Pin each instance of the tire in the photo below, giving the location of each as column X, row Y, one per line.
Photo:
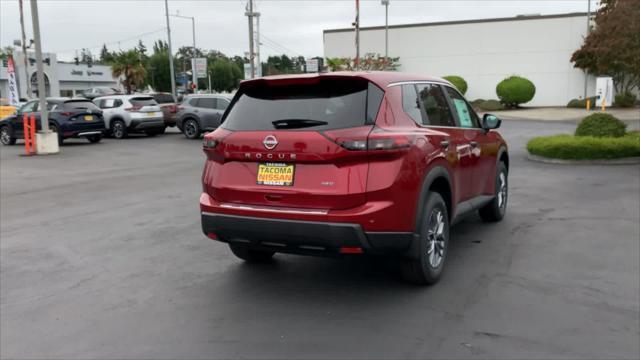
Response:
column 54, row 128
column 497, row 208
column 6, row 138
column 434, row 244
column 250, row 255
column 191, row 129
column 118, row 129
column 162, row 130
column 94, row 138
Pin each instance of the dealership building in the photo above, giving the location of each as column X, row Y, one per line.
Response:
column 61, row 78
column 483, row 52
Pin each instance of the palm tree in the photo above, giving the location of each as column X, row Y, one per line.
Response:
column 128, row 65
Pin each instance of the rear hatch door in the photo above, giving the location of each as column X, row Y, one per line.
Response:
column 282, row 143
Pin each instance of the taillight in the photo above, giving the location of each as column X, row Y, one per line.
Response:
column 173, row 109
column 66, row 113
column 133, row 108
column 366, row 139
column 213, row 139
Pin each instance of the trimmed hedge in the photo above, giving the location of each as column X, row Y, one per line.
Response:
column 458, row 82
column 515, row 90
column 585, row 147
column 601, row 125
column 582, row 103
column 625, row 99
column 488, row 105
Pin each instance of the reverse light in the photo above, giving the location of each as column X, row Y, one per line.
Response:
column 209, row 142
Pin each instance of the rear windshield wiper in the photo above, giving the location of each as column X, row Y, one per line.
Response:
column 297, row 123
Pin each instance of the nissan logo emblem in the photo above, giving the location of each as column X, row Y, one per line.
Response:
column 270, row 142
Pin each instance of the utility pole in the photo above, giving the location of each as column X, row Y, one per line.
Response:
column 24, row 52
column 42, row 95
column 586, row 72
column 171, row 70
column 357, row 25
column 249, row 14
column 386, row 28
column 258, row 62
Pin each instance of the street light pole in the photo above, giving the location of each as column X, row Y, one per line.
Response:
column 171, row 70
column 194, row 80
column 357, row 25
column 586, row 73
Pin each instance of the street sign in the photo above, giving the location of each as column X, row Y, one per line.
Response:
column 201, row 67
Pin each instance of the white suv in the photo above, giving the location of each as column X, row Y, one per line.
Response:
column 124, row 114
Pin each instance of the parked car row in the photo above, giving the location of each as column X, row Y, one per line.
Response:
column 120, row 115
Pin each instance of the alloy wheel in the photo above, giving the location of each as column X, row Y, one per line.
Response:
column 502, row 191
column 435, row 238
column 5, row 137
column 190, row 129
column 117, row 130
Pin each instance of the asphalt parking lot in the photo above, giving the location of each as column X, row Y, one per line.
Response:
column 102, row 256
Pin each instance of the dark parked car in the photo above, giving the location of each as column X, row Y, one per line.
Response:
column 200, row 113
column 94, row 92
column 168, row 105
column 70, row 118
column 351, row 163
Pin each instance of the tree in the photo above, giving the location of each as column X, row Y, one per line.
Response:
column 105, row 55
column 141, row 48
column 225, row 75
column 159, row 46
column 129, row 66
column 613, row 47
column 370, row 62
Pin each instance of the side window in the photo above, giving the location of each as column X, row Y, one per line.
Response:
column 29, row 107
column 466, row 116
column 374, row 99
column 106, row 103
column 222, row 104
column 51, row 106
column 435, row 105
column 117, row 103
column 194, row 102
column 208, row 103
column 411, row 103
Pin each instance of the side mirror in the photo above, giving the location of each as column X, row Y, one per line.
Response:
column 490, row 122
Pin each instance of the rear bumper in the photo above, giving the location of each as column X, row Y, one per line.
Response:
column 138, row 124
column 299, row 236
column 82, row 130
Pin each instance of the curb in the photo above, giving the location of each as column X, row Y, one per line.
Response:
column 622, row 161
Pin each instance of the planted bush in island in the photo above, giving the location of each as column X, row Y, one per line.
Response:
column 601, row 125
column 515, row 90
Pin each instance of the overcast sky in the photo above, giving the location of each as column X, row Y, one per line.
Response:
column 293, row 27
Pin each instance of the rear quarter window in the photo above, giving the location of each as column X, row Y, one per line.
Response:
column 80, row 105
column 332, row 103
column 143, row 101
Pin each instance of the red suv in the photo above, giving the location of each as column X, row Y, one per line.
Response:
column 351, row 163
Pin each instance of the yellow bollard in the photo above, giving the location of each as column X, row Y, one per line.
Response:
column 604, row 104
column 588, row 104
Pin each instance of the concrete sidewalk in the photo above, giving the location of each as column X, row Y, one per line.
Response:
column 564, row 114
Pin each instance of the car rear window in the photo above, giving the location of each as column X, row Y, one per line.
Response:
column 80, row 105
column 163, row 98
column 142, row 101
column 324, row 104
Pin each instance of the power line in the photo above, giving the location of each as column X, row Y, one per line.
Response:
column 289, row 50
column 116, row 42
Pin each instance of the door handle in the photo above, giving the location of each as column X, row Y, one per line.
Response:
column 444, row 144
column 474, row 144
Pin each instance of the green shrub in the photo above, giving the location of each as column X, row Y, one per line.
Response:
column 458, row 82
column 625, row 99
column 585, row 147
column 490, row 105
column 476, row 101
column 515, row 90
column 581, row 103
column 601, row 125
